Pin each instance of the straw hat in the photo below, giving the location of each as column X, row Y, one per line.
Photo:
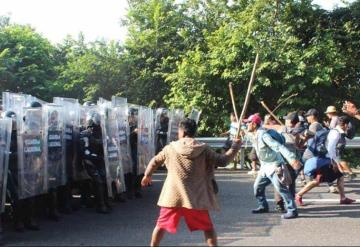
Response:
column 331, row 109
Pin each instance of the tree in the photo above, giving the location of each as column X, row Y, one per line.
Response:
column 26, row 62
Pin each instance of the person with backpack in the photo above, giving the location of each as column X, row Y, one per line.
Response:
column 326, row 161
column 270, row 149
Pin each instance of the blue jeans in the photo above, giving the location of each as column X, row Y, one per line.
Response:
column 259, row 191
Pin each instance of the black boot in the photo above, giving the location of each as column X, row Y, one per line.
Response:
column 129, row 185
column 28, row 208
column 52, row 205
column 100, row 199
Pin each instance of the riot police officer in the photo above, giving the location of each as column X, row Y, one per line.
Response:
column 93, row 158
column 136, row 178
column 22, row 209
column 161, row 131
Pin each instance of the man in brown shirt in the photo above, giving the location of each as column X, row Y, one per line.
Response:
column 188, row 190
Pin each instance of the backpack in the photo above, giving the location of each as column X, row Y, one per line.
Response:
column 317, row 144
column 276, row 136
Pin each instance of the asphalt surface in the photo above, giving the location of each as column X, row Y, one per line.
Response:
column 322, row 222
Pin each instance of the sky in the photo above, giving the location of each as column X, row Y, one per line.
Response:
column 55, row 19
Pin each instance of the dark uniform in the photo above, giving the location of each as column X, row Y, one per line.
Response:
column 23, row 210
column 93, row 158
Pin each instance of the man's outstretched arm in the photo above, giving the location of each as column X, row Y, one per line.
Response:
column 154, row 164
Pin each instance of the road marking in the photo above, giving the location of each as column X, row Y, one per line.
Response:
column 316, row 200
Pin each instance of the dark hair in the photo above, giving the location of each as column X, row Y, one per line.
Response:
column 189, row 127
column 344, row 120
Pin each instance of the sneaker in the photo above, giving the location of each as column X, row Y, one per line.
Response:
column 347, row 201
column 333, row 189
column 299, row 201
column 252, row 173
column 289, row 215
column 260, row 210
column 280, row 208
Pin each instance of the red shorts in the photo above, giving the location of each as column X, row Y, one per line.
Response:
column 195, row 219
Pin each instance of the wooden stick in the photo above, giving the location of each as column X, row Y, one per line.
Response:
column 233, row 101
column 271, row 113
column 247, row 98
column 282, row 102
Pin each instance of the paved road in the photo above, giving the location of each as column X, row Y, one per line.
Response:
column 322, row 222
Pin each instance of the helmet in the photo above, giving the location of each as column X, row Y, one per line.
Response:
column 88, row 103
column 35, row 104
column 132, row 111
column 10, row 114
column 93, row 119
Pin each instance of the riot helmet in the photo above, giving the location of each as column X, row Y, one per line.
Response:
column 88, row 103
column 35, row 104
column 93, row 119
column 10, row 114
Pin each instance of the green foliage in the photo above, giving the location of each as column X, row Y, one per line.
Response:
column 26, row 61
column 184, row 54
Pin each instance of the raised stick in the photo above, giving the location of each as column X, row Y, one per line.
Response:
column 271, row 113
column 233, row 101
column 247, row 98
column 282, row 102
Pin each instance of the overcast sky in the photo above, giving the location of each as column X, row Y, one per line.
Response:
column 54, row 19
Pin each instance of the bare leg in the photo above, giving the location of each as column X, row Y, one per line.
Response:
column 157, row 236
column 253, row 165
column 210, row 237
column 309, row 186
column 340, row 186
column 344, row 167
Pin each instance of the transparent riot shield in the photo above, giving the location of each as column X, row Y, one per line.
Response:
column 118, row 101
column 124, row 137
column 54, row 145
column 175, row 117
column 146, row 149
column 15, row 101
column 114, row 172
column 102, row 101
column 195, row 115
column 5, row 138
column 71, row 113
column 31, row 167
column 161, row 129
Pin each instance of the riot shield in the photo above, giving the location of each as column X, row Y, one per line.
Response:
column 118, row 101
column 31, row 168
column 175, row 117
column 146, row 149
column 124, row 137
column 15, row 101
column 54, row 145
column 161, row 129
column 112, row 156
column 5, row 138
column 195, row 115
column 71, row 112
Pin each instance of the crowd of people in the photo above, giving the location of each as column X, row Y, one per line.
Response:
column 301, row 147
column 105, row 151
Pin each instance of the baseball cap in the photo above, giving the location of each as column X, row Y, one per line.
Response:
column 292, row 116
column 255, row 118
column 312, row 112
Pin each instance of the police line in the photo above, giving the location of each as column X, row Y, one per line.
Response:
column 218, row 142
